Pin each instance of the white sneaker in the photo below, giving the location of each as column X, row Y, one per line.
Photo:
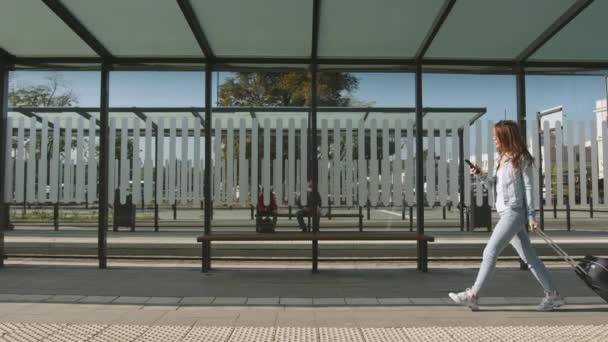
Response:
column 550, row 303
column 466, row 299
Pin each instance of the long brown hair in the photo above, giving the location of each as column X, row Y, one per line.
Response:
column 512, row 142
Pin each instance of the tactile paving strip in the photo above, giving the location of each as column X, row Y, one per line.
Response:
column 340, row 335
column 76, row 333
column 27, row 332
column 258, row 334
column 208, row 334
column 165, row 333
column 120, row 333
column 296, row 334
column 383, row 335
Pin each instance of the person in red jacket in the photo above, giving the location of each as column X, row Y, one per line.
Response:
column 267, row 213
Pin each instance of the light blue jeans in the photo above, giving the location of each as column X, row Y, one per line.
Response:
column 511, row 229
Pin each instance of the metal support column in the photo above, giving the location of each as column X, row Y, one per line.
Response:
column 4, row 213
column 520, row 84
column 313, row 161
column 421, row 248
column 461, row 176
column 206, row 257
column 104, row 151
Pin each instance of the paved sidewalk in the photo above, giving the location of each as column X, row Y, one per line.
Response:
column 141, row 301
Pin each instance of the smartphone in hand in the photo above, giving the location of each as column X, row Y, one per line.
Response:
column 472, row 166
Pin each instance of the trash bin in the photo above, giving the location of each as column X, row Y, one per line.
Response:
column 124, row 214
column 480, row 216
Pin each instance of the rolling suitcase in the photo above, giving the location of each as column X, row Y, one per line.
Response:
column 592, row 270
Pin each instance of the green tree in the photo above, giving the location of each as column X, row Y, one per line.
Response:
column 284, row 89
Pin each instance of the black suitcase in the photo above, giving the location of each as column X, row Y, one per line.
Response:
column 592, row 270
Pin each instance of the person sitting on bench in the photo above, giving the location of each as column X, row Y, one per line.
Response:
column 309, row 210
column 267, row 213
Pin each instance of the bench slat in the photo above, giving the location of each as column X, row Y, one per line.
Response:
column 298, row 236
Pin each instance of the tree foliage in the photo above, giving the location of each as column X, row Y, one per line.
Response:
column 284, row 89
column 55, row 92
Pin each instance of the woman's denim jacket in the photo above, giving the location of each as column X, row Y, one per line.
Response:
column 517, row 187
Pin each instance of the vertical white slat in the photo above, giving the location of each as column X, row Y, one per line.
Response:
column 266, row 160
column 80, row 163
column 362, row 165
column 397, row 166
column 454, row 163
column 112, row 161
column 196, row 172
column 441, row 166
column 466, row 136
column 594, row 162
column 172, row 171
column 583, row 162
column 92, row 163
column 160, row 160
column 166, row 180
column 136, row 188
column 230, row 188
column 148, row 171
column 291, row 160
column 42, row 177
column 183, row 190
column 547, row 164
column 386, row 182
column 431, row 185
column 571, row 159
column 217, row 162
column 605, row 158
column 337, row 195
column 243, row 170
column 54, row 168
column 478, row 161
column 278, row 171
column 304, row 162
column 254, row 162
column 348, row 177
column 532, row 122
column 124, row 161
column 409, row 163
column 373, row 163
column 559, row 168
column 19, row 162
column 8, row 177
column 491, row 149
column 323, row 174
column 31, row 163
column 67, row 162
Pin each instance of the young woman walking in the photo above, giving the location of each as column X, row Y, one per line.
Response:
column 514, row 201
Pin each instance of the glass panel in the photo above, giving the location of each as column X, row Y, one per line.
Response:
column 572, row 114
column 584, row 38
column 137, row 27
column 277, row 28
column 494, row 28
column 29, row 28
column 375, row 29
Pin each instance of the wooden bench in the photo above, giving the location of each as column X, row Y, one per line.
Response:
column 422, row 247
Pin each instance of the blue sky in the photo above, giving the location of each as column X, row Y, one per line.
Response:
column 496, row 92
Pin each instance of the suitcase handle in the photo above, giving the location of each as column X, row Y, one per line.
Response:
column 559, row 250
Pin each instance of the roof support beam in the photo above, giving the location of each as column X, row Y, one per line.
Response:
column 552, row 30
column 142, row 117
column 195, row 26
column 88, row 116
column 198, row 116
column 5, row 54
column 252, row 113
column 69, row 19
column 437, row 23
